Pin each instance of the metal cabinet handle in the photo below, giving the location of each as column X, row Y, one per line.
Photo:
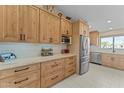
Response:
column 67, row 31
column 54, row 77
column 55, row 65
column 21, row 69
column 20, row 36
column 17, row 82
column 50, row 39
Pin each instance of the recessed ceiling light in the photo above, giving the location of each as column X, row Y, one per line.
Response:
column 109, row 21
column 110, row 28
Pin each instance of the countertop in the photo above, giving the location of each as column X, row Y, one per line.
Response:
column 33, row 60
column 116, row 53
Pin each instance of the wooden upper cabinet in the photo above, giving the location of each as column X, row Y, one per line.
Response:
column 94, row 38
column 29, row 23
column 66, row 27
column 44, row 31
column 84, row 29
column 55, row 29
column 49, row 28
column 1, row 22
column 11, row 13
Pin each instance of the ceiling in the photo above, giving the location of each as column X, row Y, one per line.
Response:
column 96, row 15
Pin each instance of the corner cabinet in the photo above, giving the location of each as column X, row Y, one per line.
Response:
column 66, row 27
column 94, row 38
column 29, row 23
column 49, row 28
column 11, row 22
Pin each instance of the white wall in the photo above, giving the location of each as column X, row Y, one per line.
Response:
column 23, row 50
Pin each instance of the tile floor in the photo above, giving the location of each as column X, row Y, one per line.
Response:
column 97, row 77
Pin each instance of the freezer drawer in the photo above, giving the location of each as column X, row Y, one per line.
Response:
column 84, row 67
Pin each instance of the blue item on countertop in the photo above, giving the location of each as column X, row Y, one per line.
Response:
column 4, row 57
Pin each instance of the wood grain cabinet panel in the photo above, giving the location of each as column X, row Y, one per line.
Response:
column 18, row 70
column 44, row 25
column 25, row 76
column 20, row 80
column 70, row 66
column 66, row 27
column 84, row 29
column 29, row 23
column 113, row 60
column 52, row 72
column 94, row 38
column 55, row 30
column 49, row 28
column 11, row 21
column 34, row 84
column 1, row 22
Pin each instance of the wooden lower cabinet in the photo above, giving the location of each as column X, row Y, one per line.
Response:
column 38, row 75
column 113, row 60
column 70, row 66
column 23, row 77
column 55, row 71
column 52, row 72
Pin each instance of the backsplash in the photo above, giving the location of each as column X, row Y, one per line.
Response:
column 23, row 50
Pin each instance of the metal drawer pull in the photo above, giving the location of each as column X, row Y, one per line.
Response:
column 54, row 77
column 20, row 36
column 22, row 69
column 16, row 82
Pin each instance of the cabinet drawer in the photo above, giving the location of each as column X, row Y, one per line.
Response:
column 34, row 84
column 49, row 81
column 52, row 67
column 20, row 80
column 70, row 59
column 69, row 71
column 18, row 70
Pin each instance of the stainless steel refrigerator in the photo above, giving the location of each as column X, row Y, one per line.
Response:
column 84, row 55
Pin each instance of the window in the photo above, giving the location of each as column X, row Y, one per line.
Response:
column 106, row 42
column 119, row 42
column 116, row 42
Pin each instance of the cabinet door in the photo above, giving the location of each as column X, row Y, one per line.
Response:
column 107, row 59
column 55, row 30
column 81, row 26
column 94, row 38
column 11, row 13
column 69, row 28
column 86, row 30
column 1, row 22
column 29, row 23
column 44, row 27
column 66, row 27
column 63, row 27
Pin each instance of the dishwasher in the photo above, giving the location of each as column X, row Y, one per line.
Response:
column 96, row 57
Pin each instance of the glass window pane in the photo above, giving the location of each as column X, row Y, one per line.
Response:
column 106, row 42
column 119, row 42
